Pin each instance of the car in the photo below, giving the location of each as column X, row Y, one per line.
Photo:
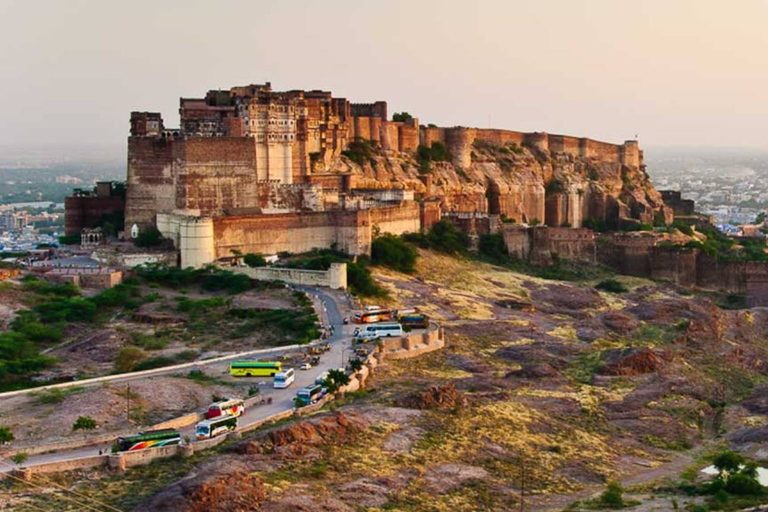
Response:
column 305, row 366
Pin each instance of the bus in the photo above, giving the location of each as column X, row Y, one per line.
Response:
column 284, row 378
column 414, row 321
column 372, row 332
column 255, row 368
column 309, row 395
column 321, row 378
column 230, row 406
column 368, row 317
column 149, row 439
column 207, row 429
column 405, row 312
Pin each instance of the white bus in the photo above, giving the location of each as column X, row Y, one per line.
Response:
column 230, row 406
column 207, row 429
column 284, row 378
column 375, row 331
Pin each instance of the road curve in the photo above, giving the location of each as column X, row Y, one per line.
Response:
column 282, row 399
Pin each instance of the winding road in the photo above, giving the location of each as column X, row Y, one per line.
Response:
column 330, row 312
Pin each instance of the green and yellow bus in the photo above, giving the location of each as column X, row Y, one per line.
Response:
column 255, row 368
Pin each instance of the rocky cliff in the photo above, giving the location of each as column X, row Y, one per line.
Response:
column 521, row 182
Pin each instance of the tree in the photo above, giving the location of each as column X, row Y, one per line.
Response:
column 356, row 365
column 443, row 236
column 402, row 117
column 69, row 240
column 6, row 436
column 20, row 458
column 394, row 252
column 149, row 237
column 613, row 496
column 84, row 423
column 727, row 462
column 254, row 260
column 335, row 379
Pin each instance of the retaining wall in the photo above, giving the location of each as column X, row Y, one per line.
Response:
column 334, row 278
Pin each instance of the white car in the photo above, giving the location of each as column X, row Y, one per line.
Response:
column 305, row 366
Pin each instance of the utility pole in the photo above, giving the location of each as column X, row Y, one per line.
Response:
column 522, row 485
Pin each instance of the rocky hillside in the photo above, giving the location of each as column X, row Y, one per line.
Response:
column 517, row 182
column 557, row 384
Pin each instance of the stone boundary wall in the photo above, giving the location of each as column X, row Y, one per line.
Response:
column 412, row 345
column 145, row 373
column 108, row 438
column 334, row 278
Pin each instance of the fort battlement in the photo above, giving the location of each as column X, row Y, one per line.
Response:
column 459, row 141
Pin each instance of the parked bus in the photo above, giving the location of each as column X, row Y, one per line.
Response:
column 255, row 368
column 149, row 439
column 405, row 312
column 207, row 429
column 372, row 332
column 284, row 378
column 309, row 395
column 378, row 315
column 231, row 406
column 414, row 321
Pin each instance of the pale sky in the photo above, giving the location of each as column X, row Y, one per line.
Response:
column 672, row 72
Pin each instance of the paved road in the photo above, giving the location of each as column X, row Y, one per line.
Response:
column 282, row 399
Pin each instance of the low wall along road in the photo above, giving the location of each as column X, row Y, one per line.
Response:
column 412, row 345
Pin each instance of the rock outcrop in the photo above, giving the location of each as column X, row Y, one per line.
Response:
column 522, row 183
column 436, row 397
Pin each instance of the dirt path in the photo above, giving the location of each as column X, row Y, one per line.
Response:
column 556, row 503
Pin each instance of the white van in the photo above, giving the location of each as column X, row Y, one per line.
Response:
column 375, row 331
column 284, row 378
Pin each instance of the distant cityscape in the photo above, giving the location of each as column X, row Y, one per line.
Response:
column 730, row 186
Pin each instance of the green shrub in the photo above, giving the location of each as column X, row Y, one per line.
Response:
column 742, row 484
column 254, row 260
column 493, row 247
column 6, row 436
column 161, row 361
column 19, row 355
column 209, row 278
column 84, row 423
column 74, row 309
column 611, row 286
column 394, row 252
column 128, row 358
column 336, row 378
column 69, row 240
column 402, row 117
column 149, row 237
column 683, row 227
column 361, row 282
column 359, row 151
column 27, row 323
column 613, row 496
column 444, row 237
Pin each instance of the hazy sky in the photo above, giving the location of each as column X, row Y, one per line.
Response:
column 673, row 72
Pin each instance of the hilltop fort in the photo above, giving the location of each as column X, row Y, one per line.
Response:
column 255, row 170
